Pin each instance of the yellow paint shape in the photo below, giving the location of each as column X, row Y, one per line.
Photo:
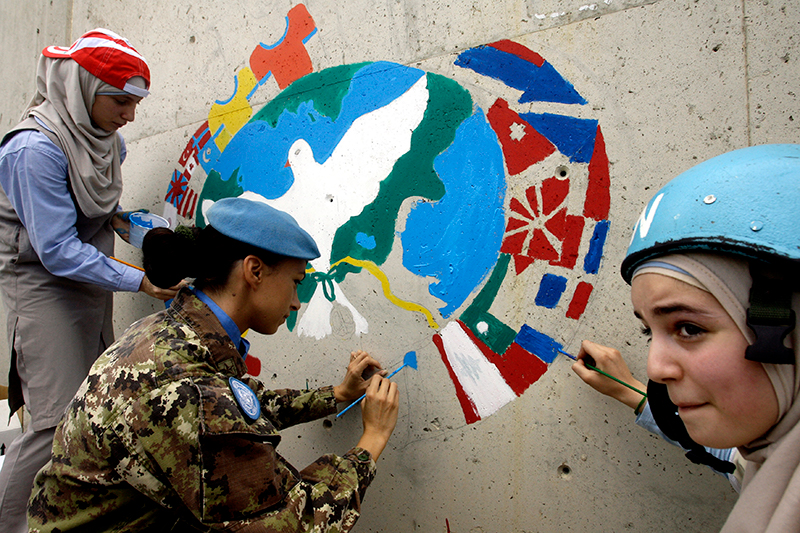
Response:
column 235, row 113
column 373, row 269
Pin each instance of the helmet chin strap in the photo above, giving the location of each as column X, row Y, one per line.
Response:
column 665, row 413
column 770, row 315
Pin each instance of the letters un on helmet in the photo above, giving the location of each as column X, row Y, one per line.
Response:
column 743, row 202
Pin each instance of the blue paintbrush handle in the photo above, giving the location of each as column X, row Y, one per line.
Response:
column 392, row 374
column 343, row 411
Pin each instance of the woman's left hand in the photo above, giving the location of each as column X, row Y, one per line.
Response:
column 147, row 287
column 121, row 223
column 354, row 385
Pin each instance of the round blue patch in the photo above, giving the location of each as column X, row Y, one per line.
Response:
column 246, row 398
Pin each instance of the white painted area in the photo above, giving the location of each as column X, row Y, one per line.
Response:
column 206, row 204
column 326, row 195
column 317, row 322
column 517, row 131
column 315, row 318
column 480, row 379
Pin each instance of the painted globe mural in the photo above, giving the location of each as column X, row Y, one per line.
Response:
column 376, row 158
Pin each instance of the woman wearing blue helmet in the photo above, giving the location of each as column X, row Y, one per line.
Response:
column 713, row 266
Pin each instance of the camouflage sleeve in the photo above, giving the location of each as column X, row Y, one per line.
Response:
column 326, row 500
column 286, row 407
column 357, row 479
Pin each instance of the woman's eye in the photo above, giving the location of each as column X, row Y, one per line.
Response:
column 647, row 332
column 689, row 330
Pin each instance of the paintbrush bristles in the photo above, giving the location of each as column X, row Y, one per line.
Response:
column 568, row 355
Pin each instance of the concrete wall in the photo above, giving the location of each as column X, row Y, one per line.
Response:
column 582, row 109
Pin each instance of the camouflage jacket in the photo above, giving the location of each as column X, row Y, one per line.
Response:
column 155, row 440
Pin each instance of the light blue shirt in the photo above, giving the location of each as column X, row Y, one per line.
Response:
column 33, row 174
column 230, row 327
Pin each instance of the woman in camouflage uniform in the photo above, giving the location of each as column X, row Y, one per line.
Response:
column 168, row 434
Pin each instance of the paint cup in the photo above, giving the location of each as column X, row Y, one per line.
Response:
column 141, row 223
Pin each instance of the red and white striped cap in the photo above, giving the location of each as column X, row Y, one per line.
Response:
column 108, row 57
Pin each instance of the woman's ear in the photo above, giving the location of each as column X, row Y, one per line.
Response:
column 254, row 270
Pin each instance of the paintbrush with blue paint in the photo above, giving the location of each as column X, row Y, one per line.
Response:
column 589, row 362
column 410, row 360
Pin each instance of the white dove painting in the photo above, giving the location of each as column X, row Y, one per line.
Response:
column 326, row 194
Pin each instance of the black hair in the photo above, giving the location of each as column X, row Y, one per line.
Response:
column 205, row 254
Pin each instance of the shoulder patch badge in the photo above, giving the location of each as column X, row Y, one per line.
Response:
column 246, row 398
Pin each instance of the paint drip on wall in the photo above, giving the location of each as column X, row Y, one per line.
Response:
column 343, row 149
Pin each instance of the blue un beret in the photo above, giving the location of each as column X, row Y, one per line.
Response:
column 262, row 226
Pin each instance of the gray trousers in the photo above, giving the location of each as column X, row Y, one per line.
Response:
column 28, row 453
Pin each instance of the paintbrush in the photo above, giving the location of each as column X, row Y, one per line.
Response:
column 410, row 359
column 592, row 367
column 125, row 263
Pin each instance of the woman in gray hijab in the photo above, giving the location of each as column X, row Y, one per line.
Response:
column 59, row 208
column 713, row 266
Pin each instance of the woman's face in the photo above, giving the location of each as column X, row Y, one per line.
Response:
column 277, row 297
column 111, row 112
column 697, row 351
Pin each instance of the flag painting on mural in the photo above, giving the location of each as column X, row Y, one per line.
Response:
column 343, row 148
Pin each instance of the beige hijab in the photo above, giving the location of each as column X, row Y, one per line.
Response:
column 65, row 93
column 770, row 498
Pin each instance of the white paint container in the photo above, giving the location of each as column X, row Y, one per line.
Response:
column 141, row 223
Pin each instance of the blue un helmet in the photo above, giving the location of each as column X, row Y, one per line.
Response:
column 743, row 203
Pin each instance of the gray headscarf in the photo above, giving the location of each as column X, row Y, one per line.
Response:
column 64, row 97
